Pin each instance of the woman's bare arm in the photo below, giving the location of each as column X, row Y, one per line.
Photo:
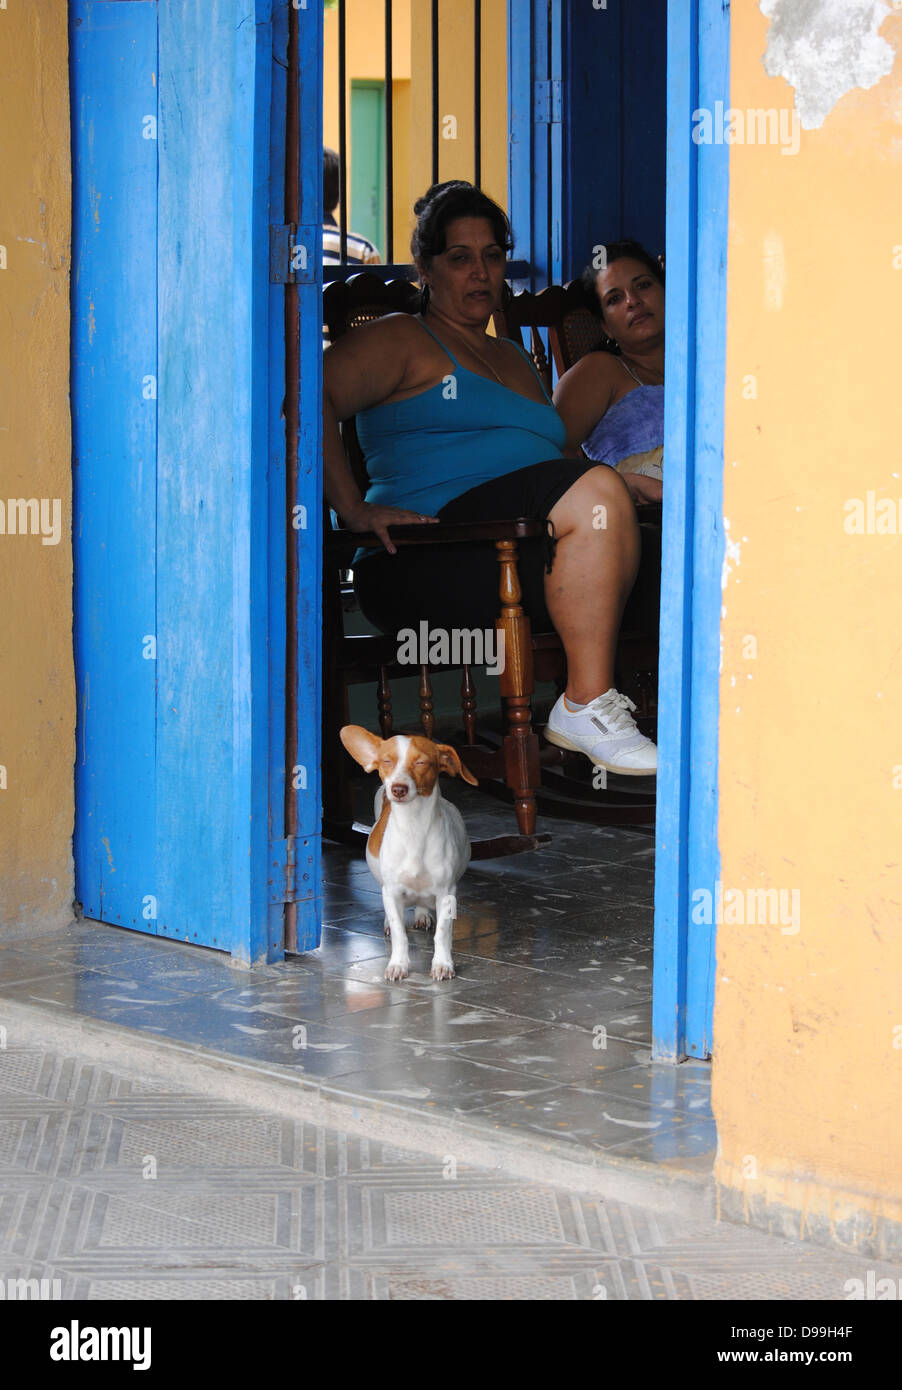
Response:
column 365, row 368
column 643, row 489
column 582, row 396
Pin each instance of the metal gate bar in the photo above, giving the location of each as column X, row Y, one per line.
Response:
column 389, row 136
column 477, row 92
column 342, row 132
column 435, row 108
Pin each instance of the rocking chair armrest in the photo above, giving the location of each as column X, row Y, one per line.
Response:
column 344, row 543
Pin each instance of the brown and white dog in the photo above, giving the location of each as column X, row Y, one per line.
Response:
column 418, row 849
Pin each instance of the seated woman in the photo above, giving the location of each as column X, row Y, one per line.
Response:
column 455, row 425
column 612, row 401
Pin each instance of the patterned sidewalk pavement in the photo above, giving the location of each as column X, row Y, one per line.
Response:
column 122, row 1188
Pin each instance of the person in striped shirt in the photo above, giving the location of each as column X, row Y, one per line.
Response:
column 358, row 247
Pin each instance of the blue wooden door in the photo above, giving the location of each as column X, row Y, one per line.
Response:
column 181, row 529
column 536, row 152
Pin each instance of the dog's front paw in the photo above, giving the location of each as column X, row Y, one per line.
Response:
column 424, row 919
column 442, row 970
column 397, row 970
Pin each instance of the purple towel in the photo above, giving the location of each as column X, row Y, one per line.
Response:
column 632, row 425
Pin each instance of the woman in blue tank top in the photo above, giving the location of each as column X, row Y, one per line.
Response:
column 455, row 425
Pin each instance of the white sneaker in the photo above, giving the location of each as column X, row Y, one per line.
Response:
column 606, row 732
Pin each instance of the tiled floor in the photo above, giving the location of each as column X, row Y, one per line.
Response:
column 545, row 1029
column 123, row 1188
column 553, row 954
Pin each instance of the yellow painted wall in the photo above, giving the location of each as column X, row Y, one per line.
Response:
column 365, row 59
column 412, row 74
column 808, row 1024
column 456, row 124
column 37, row 689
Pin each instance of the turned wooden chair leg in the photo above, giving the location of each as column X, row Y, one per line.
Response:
column 521, row 744
column 383, row 701
column 468, row 705
column 427, row 718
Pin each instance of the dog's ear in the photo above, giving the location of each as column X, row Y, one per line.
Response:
column 362, row 745
column 448, row 761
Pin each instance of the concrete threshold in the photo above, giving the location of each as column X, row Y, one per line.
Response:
column 268, row 1086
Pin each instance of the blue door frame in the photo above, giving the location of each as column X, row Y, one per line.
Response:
column 687, row 855
column 181, row 255
column 547, row 41
column 305, row 532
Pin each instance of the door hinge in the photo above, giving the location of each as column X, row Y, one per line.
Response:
column 292, row 259
column 548, row 101
column 292, row 869
column 282, row 868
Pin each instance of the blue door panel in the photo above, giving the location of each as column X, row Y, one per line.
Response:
column 209, row 468
column 644, row 98
column 520, row 86
column 115, row 389
column 178, row 386
column 535, row 166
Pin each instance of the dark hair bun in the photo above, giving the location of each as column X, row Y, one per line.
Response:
column 436, row 191
column 444, row 202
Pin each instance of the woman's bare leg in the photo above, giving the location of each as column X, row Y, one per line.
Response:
column 595, row 566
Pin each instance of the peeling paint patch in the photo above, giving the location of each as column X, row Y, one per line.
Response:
column 824, row 49
column 731, row 555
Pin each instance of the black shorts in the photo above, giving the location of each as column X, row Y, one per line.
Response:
column 457, row 586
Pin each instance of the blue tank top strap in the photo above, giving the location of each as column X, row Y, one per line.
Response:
column 522, row 352
column 442, row 345
column 538, row 374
